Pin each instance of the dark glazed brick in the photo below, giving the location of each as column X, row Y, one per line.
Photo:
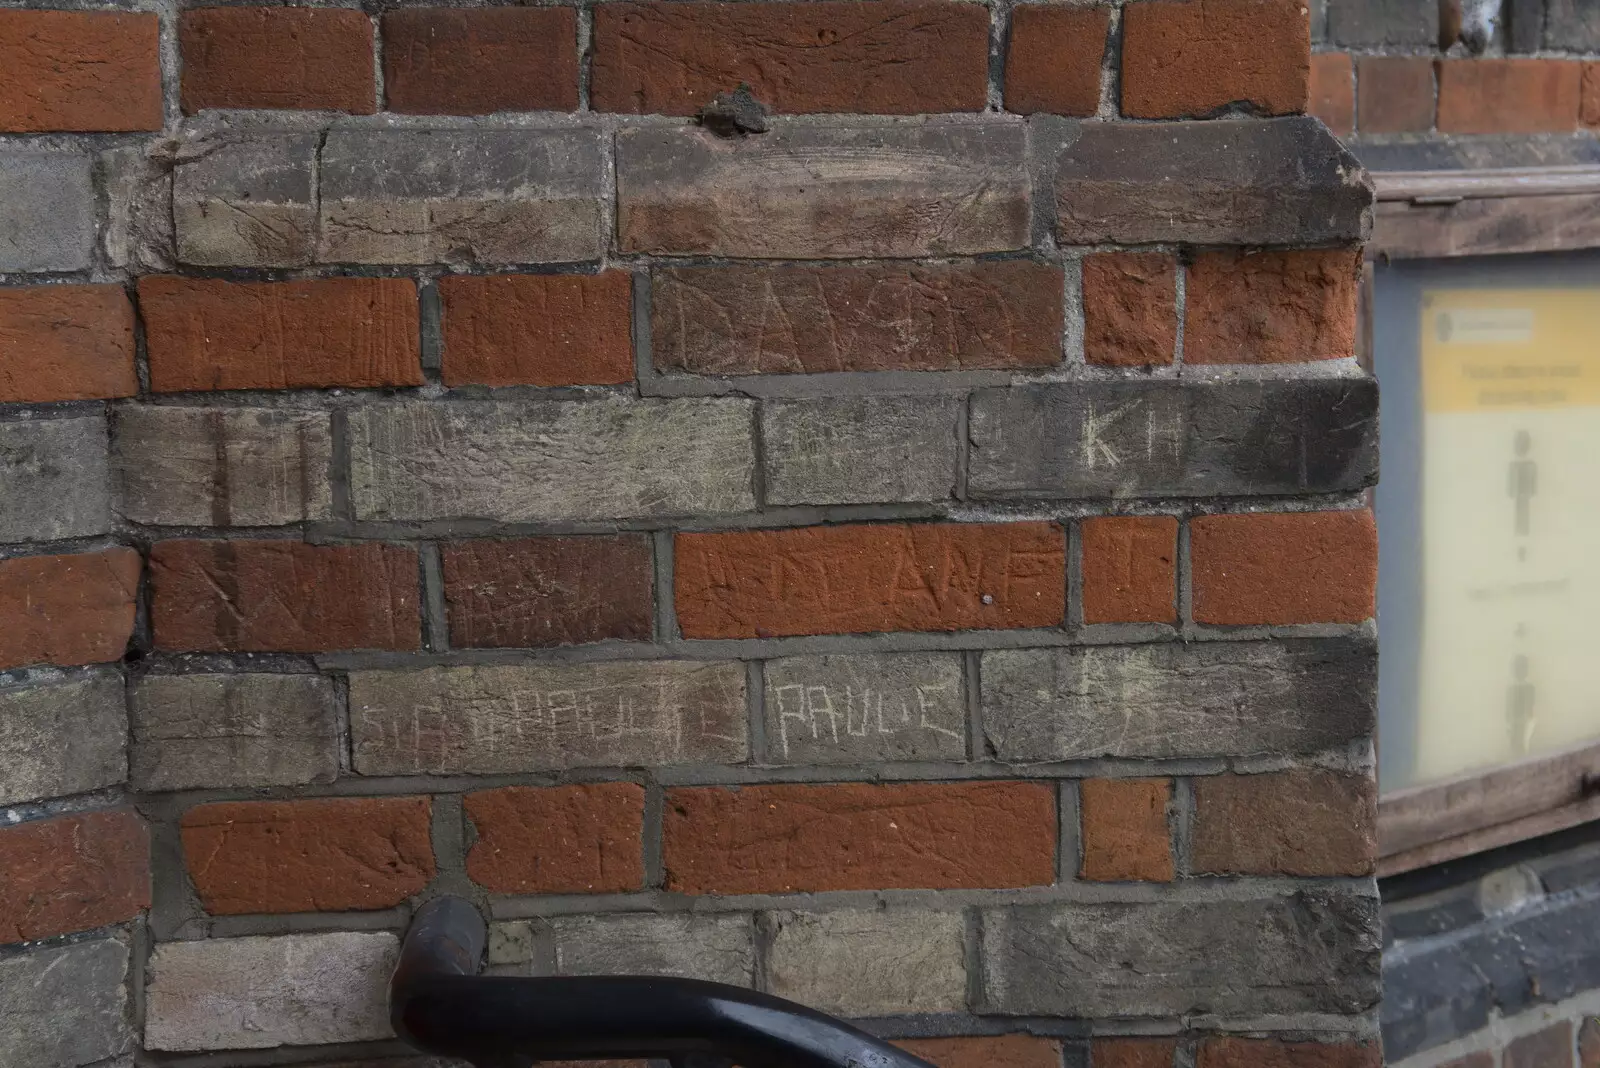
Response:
column 443, row 61
column 1572, row 25
column 1376, row 23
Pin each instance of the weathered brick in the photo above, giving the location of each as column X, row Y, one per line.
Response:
column 247, row 202
column 324, row 854
column 1572, row 24
column 1588, row 1044
column 461, row 196
column 1310, row 951
column 72, row 873
column 1219, row 699
column 1130, row 308
column 903, row 57
column 716, row 948
column 507, row 720
column 860, row 450
column 282, row 596
column 1054, row 57
column 453, row 61
column 1271, row 306
column 1290, row 567
column 1305, row 821
column 47, row 212
column 1196, row 57
column 34, row 720
column 991, row 1051
column 261, row 992
column 1549, row 1047
column 865, row 709
column 277, row 57
column 870, row 962
column 66, row 1006
column 1395, row 94
column 90, row 71
column 75, row 609
column 538, row 461
column 1380, row 23
column 1130, row 569
column 824, row 192
column 1273, row 182
column 137, row 179
column 205, row 333
column 67, row 342
column 879, row 317
column 538, row 330
column 1508, row 96
column 1589, row 109
column 222, row 467
column 857, row 836
column 539, row 592
column 1333, row 91
column 1229, row 1052
column 55, row 479
column 1125, row 830
column 227, row 731
column 870, row 577
column 1174, row 439
column 558, row 840
column 1132, row 1052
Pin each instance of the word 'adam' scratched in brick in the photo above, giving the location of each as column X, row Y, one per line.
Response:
column 860, row 714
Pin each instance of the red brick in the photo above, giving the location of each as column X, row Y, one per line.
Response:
column 888, row 57
column 558, row 840
column 993, row 1051
column 1588, row 1044
column 1279, row 568
column 880, row 317
column 1130, row 569
column 1132, row 1052
column 538, row 330
column 549, row 591
column 72, row 873
column 79, row 71
column 1480, row 1059
column 1054, row 58
column 1589, row 109
column 68, row 342
column 1283, row 306
column 1125, row 832
column 321, row 855
column 1270, row 1053
column 454, row 61
column 67, row 610
column 1511, row 96
column 1306, row 821
column 277, row 57
column 870, row 577
column 1194, row 57
column 859, row 836
column 205, row 334
column 1395, row 94
column 1333, row 91
column 1547, row 1048
column 1130, row 308
column 282, row 596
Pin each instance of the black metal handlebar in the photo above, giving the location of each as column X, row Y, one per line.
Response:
column 439, row 1004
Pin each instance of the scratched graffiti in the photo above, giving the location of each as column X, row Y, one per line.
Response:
column 837, row 709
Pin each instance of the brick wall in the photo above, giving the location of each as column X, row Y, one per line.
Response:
column 906, row 552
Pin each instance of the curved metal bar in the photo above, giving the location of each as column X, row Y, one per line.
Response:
column 438, row 1003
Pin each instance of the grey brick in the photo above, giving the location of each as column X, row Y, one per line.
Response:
column 1572, row 25
column 244, row 467
column 64, row 1007
column 462, row 196
column 200, row 731
column 1376, row 23
column 860, row 450
column 870, row 962
column 824, row 192
column 46, row 211
column 504, row 720
column 1178, row 700
column 1253, row 182
column 553, row 460
column 261, row 992
column 36, row 721
column 1311, row 951
column 866, row 708
column 138, row 182
column 55, row 480
column 247, row 203
column 717, row 948
column 1174, row 439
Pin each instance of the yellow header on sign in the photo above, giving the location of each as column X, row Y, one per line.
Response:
column 1507, row 349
